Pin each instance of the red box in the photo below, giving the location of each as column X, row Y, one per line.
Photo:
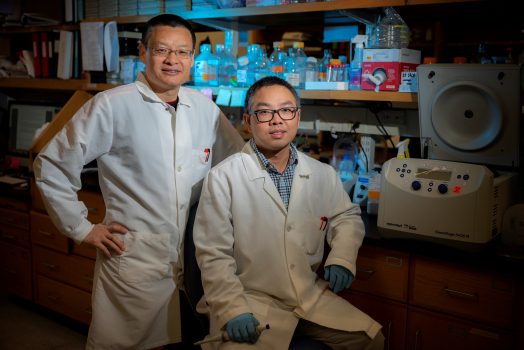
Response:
column 385, row 66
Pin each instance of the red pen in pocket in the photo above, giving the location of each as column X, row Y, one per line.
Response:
column 323, row 223
column 207, row 151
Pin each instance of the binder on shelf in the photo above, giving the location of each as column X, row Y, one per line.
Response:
column 65, row 55
column 53, row 41
column 36, row 54
column 44, row 44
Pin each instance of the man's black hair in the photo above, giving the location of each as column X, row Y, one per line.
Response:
column 268, row 81
column 170, row 20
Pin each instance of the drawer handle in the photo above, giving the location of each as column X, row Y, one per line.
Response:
column 53, row 297
column 394, row 261
column 88, row 279
column 417, row 336
column 388, row 338
column 7, row 236
column 364, row 273
column 458, row 293
column 50, row 266
column 45, row 233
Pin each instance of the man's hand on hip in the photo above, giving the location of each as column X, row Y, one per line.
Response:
column 103, row 237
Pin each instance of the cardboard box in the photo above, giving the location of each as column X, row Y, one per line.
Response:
column 385, row 67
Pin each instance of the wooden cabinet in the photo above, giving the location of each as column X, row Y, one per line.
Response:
column 63, row 271
column 391, row 315
column 15, row 255
column 428, row 330
column 483, row 295
column 430, row 303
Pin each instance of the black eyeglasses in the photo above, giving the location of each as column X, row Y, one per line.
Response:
column 267, row 115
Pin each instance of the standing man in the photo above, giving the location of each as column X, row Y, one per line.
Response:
column 154, row 141
column 259, row 234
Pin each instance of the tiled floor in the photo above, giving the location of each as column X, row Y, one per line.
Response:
column 25, row 326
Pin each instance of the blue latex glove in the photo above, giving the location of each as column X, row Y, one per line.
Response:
column 243, row 328
column 339, row 277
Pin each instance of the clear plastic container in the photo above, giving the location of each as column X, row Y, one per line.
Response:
column 276, row 62
column 323, row 64
column 392, row 32
column 311, row 69
column 344, row 160
column 206, row 67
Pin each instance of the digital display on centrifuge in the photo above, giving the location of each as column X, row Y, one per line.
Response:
column 433, row 174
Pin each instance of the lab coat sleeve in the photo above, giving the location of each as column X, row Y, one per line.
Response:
column 59, row 164
column 214, row 243
column 346, row 229
column 228, row 140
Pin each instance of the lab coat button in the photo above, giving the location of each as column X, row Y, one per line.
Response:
column 292, row 266
column 179, row 168
column 289, row 228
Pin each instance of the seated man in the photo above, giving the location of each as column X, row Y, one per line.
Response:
column 259, row 234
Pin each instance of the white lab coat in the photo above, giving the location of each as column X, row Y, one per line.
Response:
column 148, row 176
column 256, row 256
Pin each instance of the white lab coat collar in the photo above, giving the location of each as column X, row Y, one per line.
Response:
column 250, row 158
column 145, row 89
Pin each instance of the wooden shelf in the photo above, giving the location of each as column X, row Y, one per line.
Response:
column 265, row 10
column 73, row 85
column 401, row 97
column 53, row 84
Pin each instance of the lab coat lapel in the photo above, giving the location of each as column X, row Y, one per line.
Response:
column 256, row 172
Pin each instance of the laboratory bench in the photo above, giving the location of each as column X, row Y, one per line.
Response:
column 433, row 296
column 425, row 295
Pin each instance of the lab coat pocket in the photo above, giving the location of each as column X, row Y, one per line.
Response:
column 316, row 234
column 314, row 242
column 146, row 258
column 201, row 160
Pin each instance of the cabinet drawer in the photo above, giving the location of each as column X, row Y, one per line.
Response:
column 64, row 299
column 480, row 294
column 382, row 272
column 434, row 331
column 392, row 315
column 73, row 270
column 15, row 270
column 14, row 236
column 50, row 263
column 14, row 218
column 45, row 233
column 36, row 198
column 13, row 204
column 84, row 250
column 95, row 205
